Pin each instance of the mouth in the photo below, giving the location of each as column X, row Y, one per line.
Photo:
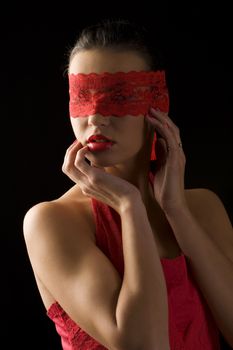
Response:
column 96, row 146
column 98, row 138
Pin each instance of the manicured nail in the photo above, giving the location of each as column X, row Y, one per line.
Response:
column 155, row 110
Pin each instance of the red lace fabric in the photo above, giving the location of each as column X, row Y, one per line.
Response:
column 191, row 325
column 118, row 94
column 72, row 336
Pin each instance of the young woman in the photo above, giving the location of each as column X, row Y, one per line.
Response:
column 128, row 258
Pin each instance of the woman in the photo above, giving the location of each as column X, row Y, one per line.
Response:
column 128, row 258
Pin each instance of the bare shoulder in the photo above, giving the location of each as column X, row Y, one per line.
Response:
column 209, row 210
column 205, row 202
column 70, row 269
column 58, row 227
column 68, row 211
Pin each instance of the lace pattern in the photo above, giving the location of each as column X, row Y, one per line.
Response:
column 117, row 94
column 72, row 336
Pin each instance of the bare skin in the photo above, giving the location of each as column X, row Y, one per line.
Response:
column 123, row 161
column 169, row 206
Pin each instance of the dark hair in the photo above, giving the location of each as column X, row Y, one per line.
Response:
column 119, row 34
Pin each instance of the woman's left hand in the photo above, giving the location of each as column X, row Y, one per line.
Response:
column 170, row 163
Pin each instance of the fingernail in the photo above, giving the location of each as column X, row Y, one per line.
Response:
column 155, row 109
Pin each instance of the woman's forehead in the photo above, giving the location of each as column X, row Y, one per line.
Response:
column 106, row 60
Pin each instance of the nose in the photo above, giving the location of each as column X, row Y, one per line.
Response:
column 98, row 119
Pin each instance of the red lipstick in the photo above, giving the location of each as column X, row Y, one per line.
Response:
column 99, row 143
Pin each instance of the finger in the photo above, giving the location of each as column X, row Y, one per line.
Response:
column 71, row 152
column 165, row 132
column 74, row 144
column 161, row 151
column 161, row 126
column 164, row 116
column 69, row 159
column 80, row 163
column 89, row 170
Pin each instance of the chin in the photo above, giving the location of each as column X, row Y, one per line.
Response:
column 99, row 161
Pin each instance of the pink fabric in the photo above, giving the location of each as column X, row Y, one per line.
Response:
column 191, row 325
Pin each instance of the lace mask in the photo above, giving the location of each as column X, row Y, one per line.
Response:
column 118, row 94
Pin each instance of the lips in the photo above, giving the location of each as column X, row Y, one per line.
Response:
column 99, row 142
column 95, row 137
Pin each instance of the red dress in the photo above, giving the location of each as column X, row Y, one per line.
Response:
column 191, row 325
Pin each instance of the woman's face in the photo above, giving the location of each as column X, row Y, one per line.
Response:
column 128, row 132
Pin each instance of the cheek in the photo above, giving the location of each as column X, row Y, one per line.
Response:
column 140, row 126
column 135, row 122
column 78, row 125
column 134, row 129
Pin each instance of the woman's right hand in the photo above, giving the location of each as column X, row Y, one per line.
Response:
column 95, row 182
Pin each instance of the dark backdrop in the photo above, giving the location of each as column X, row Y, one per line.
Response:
column 36, row 130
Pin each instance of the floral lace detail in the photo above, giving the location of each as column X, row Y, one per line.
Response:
column 73, row 337
column 117, row 94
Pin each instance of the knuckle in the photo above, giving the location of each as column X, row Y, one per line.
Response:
column 85, row 189
column 94, row 179
column 66, row 168
column 77, row 161
column 63, row 168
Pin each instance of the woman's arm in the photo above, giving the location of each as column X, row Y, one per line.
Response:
column 142, row 308
column 122, row 315
column 204, row 233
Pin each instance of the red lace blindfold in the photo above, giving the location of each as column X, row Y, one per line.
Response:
column 118, row 94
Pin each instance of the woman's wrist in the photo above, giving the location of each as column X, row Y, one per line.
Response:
column 131, row 201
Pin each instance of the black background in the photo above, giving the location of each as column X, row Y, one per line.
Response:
column 36, row 131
